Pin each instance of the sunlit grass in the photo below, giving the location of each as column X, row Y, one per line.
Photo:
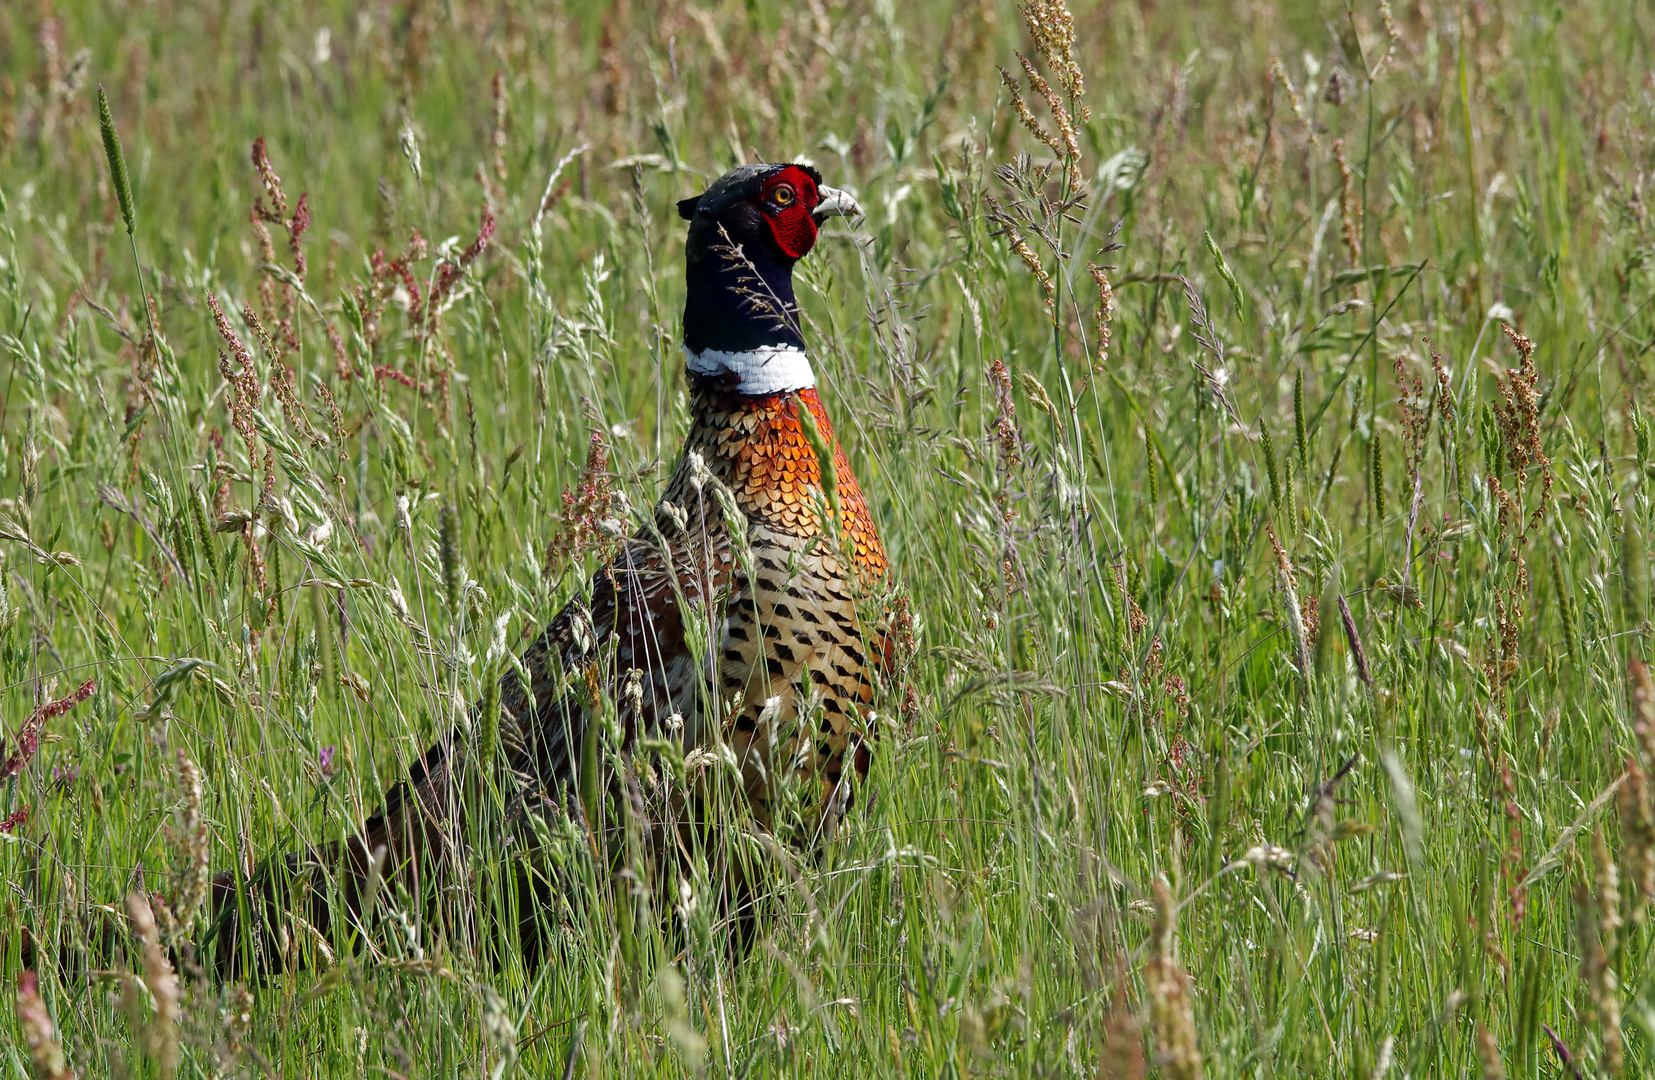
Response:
column 1271, row 712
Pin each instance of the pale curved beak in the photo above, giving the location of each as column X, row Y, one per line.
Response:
column 835, row 203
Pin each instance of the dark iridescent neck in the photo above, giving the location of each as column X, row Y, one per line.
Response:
column 740, row 298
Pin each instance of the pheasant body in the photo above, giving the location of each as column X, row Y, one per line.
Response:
column 734, row 623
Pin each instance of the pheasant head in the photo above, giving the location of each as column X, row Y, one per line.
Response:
column 741, row 321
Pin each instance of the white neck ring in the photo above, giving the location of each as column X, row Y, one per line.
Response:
column 768, row 369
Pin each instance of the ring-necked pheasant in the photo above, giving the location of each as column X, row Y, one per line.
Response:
column 729, row 625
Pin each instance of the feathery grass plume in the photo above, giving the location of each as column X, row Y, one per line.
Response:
column 448, row 551
column 1270, row 469
column 1416, row 405
column 1172, row 1012
column 38, row 1033
column 1102, row 317
column 296, row 226
column 1350, row 210
column 1301, row 443
column 284, row 385
column 117, row 163
column 160, row 1035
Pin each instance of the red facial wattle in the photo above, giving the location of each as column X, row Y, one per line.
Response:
column 785, row 202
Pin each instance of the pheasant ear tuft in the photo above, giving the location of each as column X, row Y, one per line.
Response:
column 686, row 207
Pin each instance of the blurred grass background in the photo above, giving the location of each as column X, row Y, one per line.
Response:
column 1150, row 798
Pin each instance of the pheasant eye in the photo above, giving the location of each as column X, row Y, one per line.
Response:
column 782, row 195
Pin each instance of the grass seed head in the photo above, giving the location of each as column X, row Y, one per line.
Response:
column 1270, row 469
column 190, row 841
column 1102, row 318
column 38, row 1033
column 1350, row 210
column 117, row 163
column 1171, row 1006
column 1301, row 443
column 448, row 551
column 1488, row 1054
column 1024, row 116
column 160, row 1035
column 1008, row 438
column 580, row 529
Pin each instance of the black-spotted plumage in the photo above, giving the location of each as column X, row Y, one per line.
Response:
column 732, row 623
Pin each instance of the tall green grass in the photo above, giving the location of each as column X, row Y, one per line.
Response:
column 1272, row 711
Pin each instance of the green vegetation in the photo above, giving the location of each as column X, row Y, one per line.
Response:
column 1264, row 456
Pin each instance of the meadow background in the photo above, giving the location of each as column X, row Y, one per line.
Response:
column 1274, row 706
